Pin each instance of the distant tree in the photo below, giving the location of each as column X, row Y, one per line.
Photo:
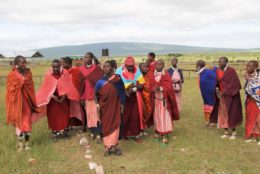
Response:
column 174, row 55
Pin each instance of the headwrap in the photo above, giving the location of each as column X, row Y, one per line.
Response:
column 130, row 61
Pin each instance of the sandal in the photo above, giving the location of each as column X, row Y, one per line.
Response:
column 118, row 151
column 107, row 152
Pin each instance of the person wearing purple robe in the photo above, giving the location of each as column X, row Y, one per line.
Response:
column 229, row 107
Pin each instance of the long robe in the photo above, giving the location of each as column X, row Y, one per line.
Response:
column 57, row 113
column 146, row 101
column 228, row 107
column 20, row 100
column 133, row 113
column 77, row 116
column 162, row 119
column 168, row 95
column 207, row 84
column 252, row 88
column 110, row 95
column 177, row 81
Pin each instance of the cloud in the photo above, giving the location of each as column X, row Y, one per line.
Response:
column 30, row 24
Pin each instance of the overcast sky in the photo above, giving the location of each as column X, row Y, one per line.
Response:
column 32, row 24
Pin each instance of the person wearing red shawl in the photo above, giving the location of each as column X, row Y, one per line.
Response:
column 52, row 95
column 133, row 112
column 20, row 102
column 146, row 97
column 164, row 105
column 91, row 74
column 110, row 97
column 76, row 111
column 229, row 107
column 252, row 89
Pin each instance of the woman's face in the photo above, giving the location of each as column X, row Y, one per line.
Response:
column 88, row 59
column 107, row 68
column 159, row 66
column 21, row 65
column 143, row 68
column 250, row 68
column 174, row 62
column 56, row 68
column 222, row 63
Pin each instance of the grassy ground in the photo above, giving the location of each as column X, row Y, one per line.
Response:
column 196, row 149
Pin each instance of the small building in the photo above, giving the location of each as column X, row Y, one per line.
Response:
column 27, row 54
column 7, row 58
column 105, row 52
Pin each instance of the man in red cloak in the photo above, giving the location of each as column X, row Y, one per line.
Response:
column 91, row 74
column 229, row 107
column 52, row 95
column 77, row 116
column 20, row 101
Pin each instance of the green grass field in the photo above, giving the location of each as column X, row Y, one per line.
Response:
column 197, row 149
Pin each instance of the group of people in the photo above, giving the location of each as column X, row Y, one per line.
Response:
column 220, row 89
column 122, row 102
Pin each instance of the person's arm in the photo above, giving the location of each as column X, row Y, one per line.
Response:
column 62, row 98
column 182, row 78
column 139, row 87
column 97, row 105
column 130, row 89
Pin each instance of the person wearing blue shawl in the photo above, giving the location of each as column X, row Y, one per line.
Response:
column 133, row 115
column 110, row 98
column 207, row 84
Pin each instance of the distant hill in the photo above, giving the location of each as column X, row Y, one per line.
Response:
column 124, row 48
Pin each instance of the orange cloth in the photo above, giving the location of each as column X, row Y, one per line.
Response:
column 111, row 139
column 76, row 83
column 220, row 75
column 92, row 113
column 146, row 100
column 20, row 99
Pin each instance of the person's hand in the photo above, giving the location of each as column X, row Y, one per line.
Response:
column 122, row 109
column 62, row 98
column 130, row 91
column 55, row 98
column 98, row 109
column 156, row 88
column 139, row 87
column 82, row 102
column 222, row 94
